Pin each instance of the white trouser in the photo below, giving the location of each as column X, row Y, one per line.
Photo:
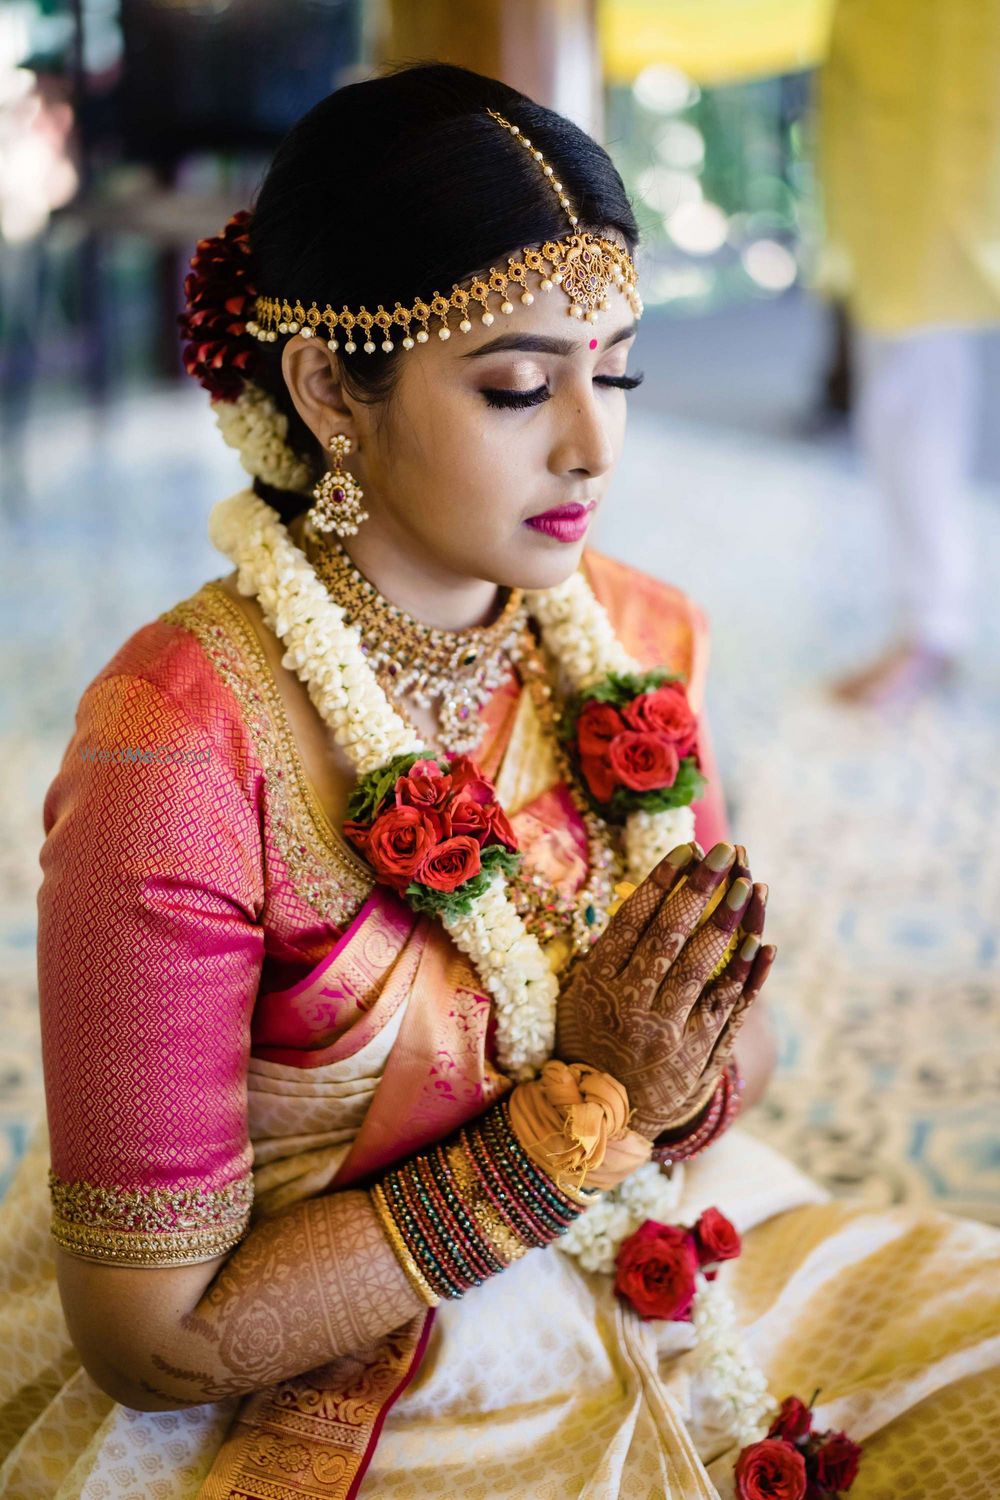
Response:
column 917, row 409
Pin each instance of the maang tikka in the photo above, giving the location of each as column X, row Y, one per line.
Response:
column 338, row 495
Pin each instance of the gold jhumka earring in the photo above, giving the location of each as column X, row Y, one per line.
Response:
column 338, row 495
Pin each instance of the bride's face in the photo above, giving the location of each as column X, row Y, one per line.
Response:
column 493, row 454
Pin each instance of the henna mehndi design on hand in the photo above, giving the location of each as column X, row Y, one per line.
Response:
column 644, row 1006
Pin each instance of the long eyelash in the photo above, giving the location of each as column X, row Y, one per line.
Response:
column 620, row 382
column 519, row 400
column 516, row 399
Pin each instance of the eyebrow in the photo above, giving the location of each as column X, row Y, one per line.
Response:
column 536, row 343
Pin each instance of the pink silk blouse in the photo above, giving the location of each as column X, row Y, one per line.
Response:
column 189, row 873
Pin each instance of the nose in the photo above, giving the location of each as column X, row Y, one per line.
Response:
column 583, row 444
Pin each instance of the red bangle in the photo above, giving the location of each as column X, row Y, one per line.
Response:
column 722, row 1111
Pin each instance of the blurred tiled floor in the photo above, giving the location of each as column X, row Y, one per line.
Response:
column 877, row 836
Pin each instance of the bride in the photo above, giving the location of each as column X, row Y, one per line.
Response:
column 394, row 1013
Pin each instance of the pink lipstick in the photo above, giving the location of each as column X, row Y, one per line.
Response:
column 567, row 523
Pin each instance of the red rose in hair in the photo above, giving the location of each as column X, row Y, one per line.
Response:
column 598, row 775
column 399, row 840
column 715, row 1238
column 424, row 785
column 450, row 864
column 596, row 727
column 837, row 1462
column 794, row 1421
column 655, row 1270
column 219, row 295
column 771, row 1470
column 665, row 711
column 644, row 762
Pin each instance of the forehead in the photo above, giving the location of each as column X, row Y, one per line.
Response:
column 543, row 326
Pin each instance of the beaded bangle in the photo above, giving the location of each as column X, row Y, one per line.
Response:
column 722, row 1111
column 462, row 1211
column 412, row 1271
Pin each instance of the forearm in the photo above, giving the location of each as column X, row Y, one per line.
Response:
column 315, row 1282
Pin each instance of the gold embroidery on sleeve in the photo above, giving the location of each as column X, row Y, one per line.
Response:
column 149, row 1226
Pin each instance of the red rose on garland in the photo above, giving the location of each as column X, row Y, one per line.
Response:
column 432, row 830
column 715, row 1239
column 398, row 841
column 655, row 1270
column 771, row 1470
column 633, row 738
column 667, row 712
column 643, row 762
column 426, row 786
column 450, row 864
column 597, row 726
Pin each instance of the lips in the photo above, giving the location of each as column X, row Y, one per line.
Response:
column 566, row 523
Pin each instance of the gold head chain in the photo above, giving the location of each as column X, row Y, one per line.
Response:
column 584, row 266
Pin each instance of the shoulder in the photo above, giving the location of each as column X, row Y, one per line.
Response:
column 179, row 678
column 656, row 621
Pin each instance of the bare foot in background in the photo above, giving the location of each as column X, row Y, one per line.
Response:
column 898, row 676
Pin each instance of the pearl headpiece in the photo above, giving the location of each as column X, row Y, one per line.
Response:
column 584, row 266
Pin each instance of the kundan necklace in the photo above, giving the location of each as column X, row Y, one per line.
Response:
column 457, row 669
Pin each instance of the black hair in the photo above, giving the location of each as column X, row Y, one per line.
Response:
column 403, row 185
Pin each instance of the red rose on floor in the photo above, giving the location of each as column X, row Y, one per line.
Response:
column 597, row 726
column 770, row 1470
column 665, row 711
column 793, row 1421
column 716, row 1239
column 655, row 1270
column 837, row 1462
column 598, row 775
column 644, row 762
column 400, row 839
column 424, row 785
column 450, row 864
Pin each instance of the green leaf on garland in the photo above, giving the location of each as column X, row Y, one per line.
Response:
column 368, row 793
column 458, row 903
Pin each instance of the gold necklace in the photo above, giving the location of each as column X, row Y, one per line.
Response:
column 459, row 669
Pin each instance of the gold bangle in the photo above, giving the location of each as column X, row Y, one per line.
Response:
column 498, row 1235
column 412, row 1271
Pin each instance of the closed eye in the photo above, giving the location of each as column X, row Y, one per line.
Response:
column 519, row 400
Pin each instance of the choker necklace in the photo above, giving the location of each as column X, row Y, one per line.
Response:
column 461, row 668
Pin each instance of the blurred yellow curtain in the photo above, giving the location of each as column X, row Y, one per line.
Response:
column 712, row 41
column 910, row 153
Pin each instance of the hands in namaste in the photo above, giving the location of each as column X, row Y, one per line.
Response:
column 641, row 1004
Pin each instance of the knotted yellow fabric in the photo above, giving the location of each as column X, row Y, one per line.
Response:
column 573, row 1121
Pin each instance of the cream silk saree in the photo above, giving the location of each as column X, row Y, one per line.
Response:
column 234, row 1020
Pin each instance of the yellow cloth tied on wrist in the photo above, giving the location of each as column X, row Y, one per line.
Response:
column 573, row 1121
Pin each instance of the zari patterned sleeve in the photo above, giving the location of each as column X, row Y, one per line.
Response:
column 149, row 955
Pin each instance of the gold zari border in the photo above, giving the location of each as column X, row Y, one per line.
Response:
column 149, row 1226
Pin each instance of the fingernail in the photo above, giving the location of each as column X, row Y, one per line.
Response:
column 721, row 856
column 681, row 856
column 749, row 950
column 739, row 894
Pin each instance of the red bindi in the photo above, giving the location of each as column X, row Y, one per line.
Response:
column 593, row 343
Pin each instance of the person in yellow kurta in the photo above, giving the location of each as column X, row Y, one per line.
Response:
column 910, row 154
